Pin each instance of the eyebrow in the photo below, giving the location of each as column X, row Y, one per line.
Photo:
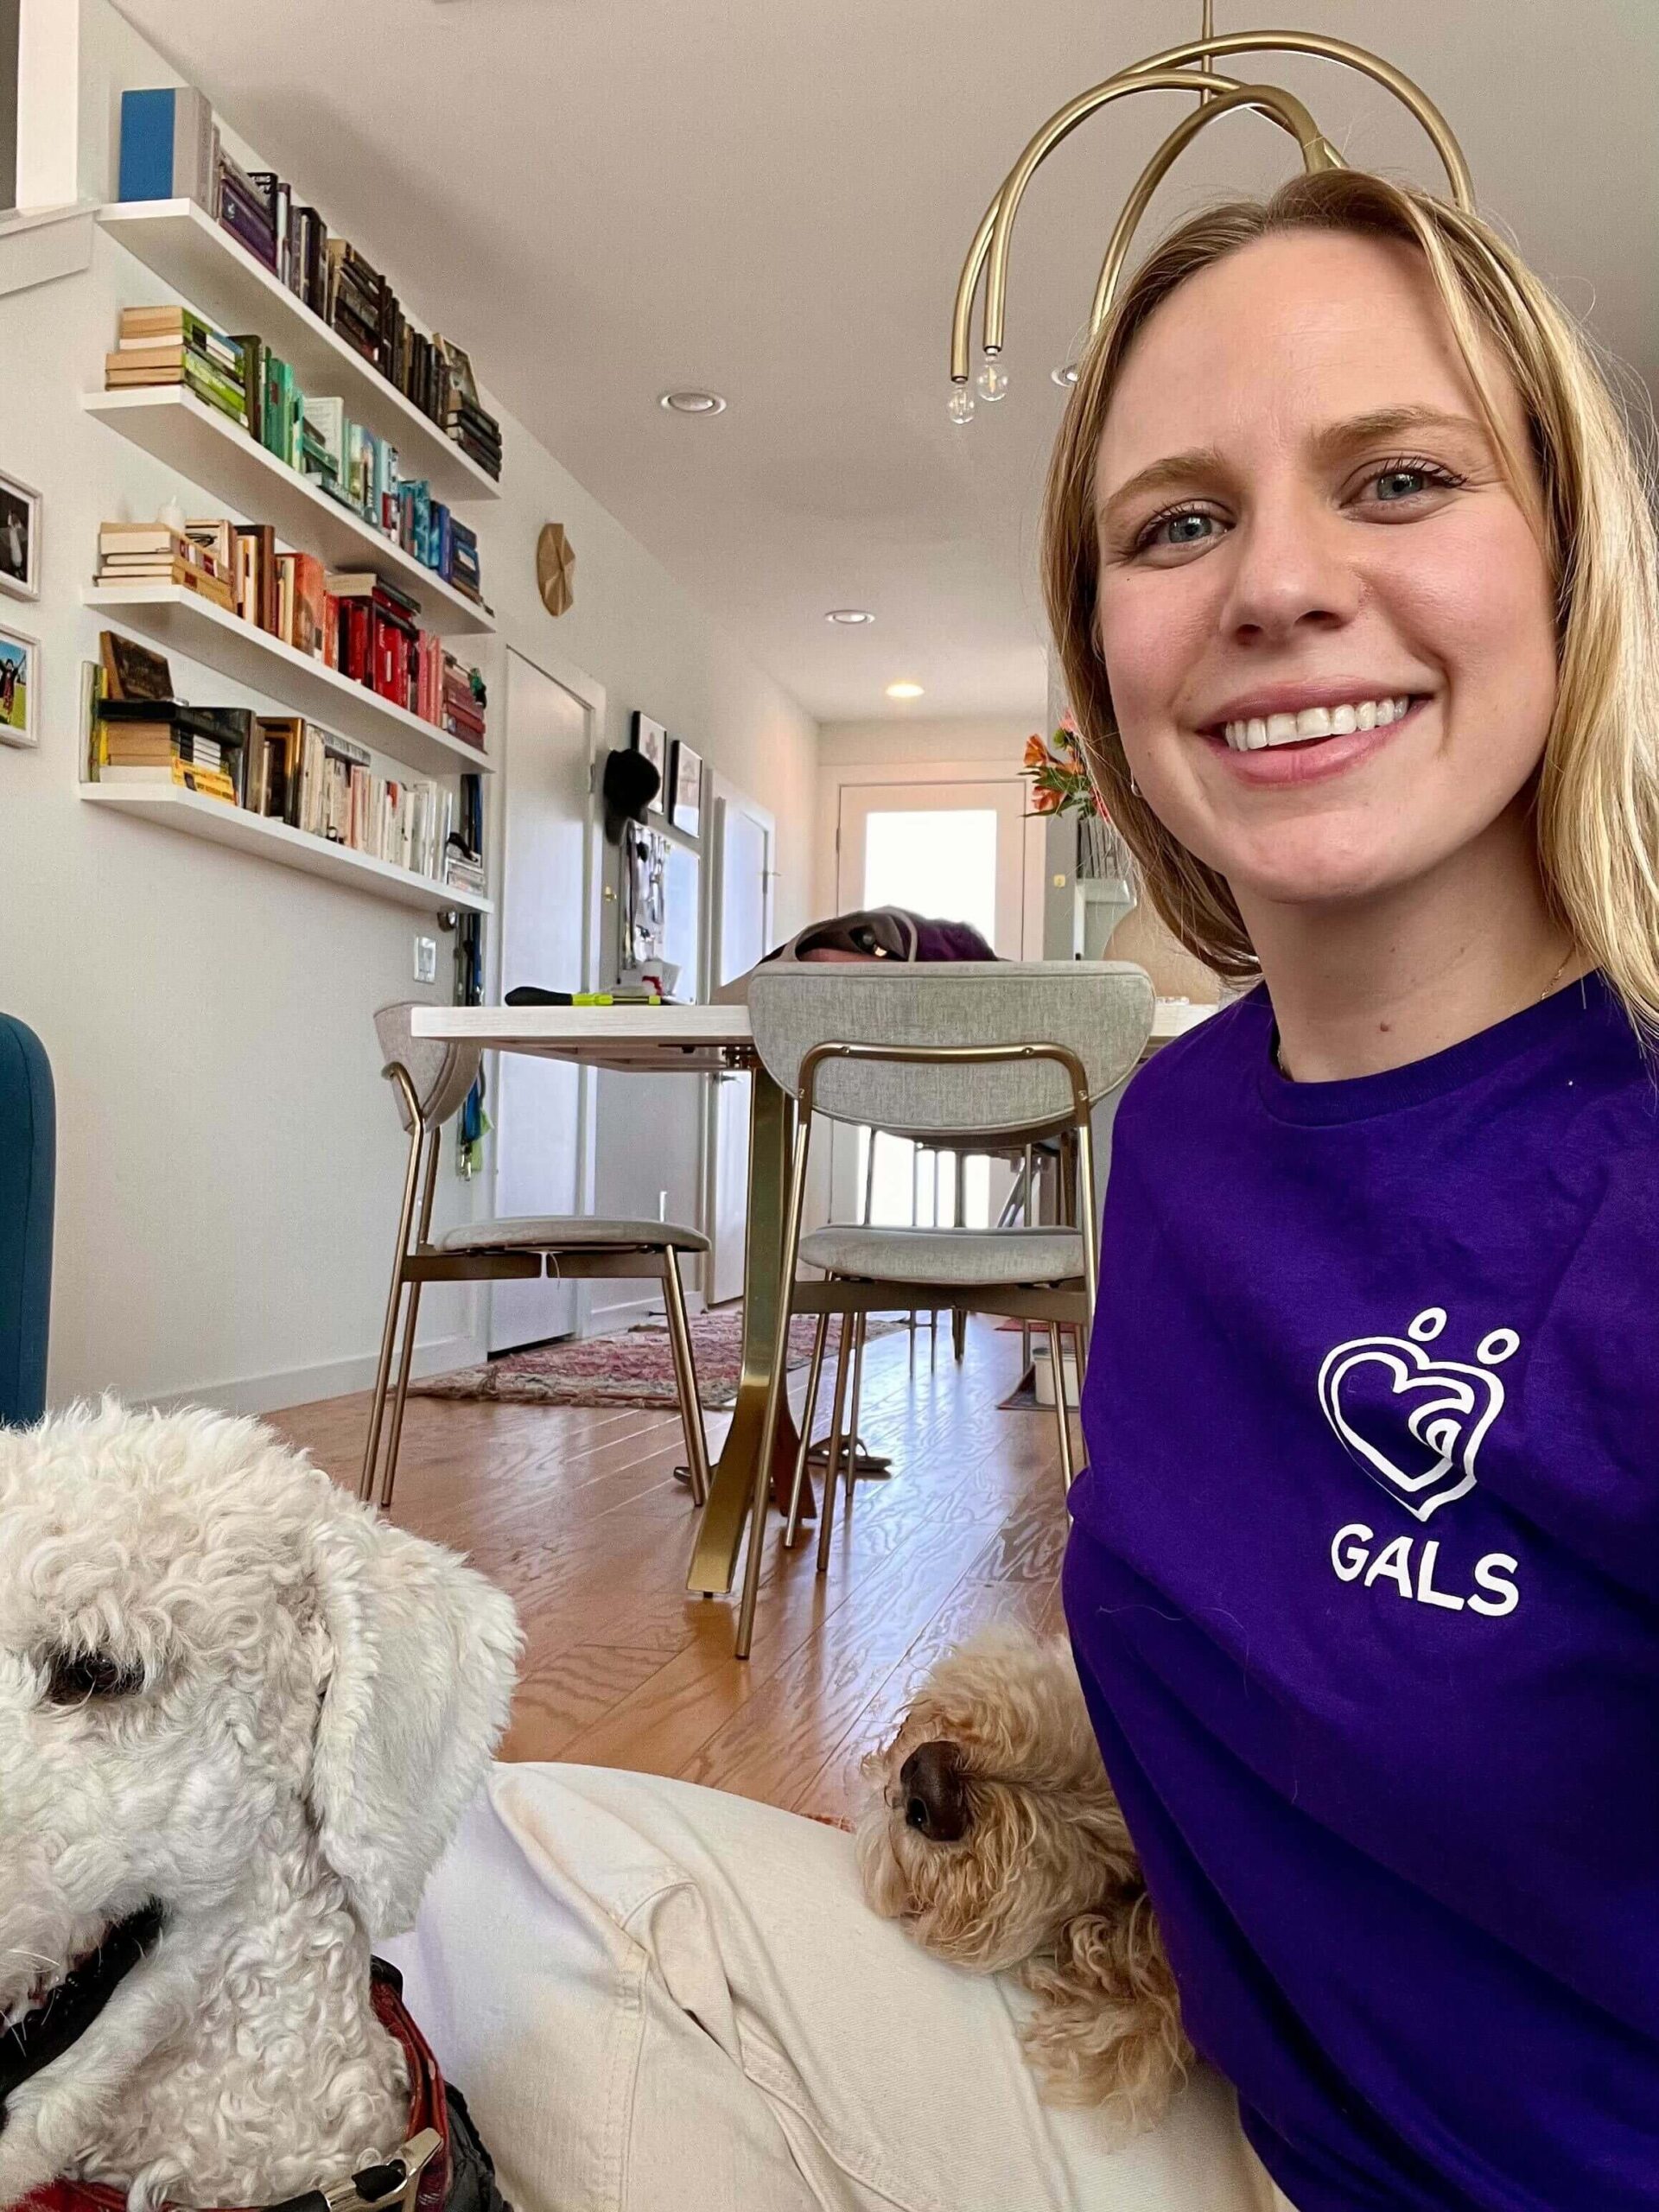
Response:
column 1329, row 443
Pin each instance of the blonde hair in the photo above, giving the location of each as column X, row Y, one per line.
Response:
column 1596, row 806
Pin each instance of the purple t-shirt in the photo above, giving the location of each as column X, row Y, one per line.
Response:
column 1364, row 1590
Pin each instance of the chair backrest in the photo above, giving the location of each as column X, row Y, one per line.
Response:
column 442, row 1069
column 1101, row 1011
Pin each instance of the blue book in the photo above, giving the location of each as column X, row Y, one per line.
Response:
column 166, row 146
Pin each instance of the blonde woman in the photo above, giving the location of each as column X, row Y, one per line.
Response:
column 1353, row 578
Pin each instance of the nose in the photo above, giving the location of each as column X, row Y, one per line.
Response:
column 1292, row 571
column 936, row 1801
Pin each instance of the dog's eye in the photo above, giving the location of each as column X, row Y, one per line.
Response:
column 72, row 1677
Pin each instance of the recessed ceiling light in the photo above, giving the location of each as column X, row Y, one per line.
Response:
column 692, row 403
column 850, row 617
column 1067, row 375
column 904, row 690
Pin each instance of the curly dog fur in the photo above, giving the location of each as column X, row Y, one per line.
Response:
column 995, row 1836
column 229, row 1691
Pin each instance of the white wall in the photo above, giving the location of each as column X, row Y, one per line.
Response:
column 228, row 1157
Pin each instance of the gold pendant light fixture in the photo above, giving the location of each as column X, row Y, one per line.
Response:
column 1217, row 95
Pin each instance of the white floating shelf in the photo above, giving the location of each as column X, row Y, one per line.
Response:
column 186, row 623
column 190, row 252
column 207, row 449
column 172, row 808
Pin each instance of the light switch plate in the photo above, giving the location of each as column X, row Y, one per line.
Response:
column 426, row 960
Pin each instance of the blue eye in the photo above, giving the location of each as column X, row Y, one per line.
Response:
column 1181, row 526
column 1401, row 483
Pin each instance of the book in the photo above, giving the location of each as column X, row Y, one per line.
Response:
column 216, row 590
column 309, row 591
column 211, row 783
column 256, row 573
column 324, row 420
column 166, row 146
column 131, row 670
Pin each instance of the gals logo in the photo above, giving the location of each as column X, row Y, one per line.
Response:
column 1411, row 1419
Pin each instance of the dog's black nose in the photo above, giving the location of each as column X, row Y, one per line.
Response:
column 935, row 1801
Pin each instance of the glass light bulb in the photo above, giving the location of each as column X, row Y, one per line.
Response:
column 962, row 404
column 992, row 380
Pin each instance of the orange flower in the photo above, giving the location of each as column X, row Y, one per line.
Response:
column 1036, row 752
column 1046, row 800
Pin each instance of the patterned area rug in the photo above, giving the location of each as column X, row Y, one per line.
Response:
column 636, row 1368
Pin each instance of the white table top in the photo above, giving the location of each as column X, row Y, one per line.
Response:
column 657, row 1040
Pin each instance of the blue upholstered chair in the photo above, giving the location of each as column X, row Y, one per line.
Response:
column 27, row 1173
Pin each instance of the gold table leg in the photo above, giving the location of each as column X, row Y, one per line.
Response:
column 721, row 1524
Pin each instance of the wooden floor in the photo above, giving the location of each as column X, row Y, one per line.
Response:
column 577, row 1516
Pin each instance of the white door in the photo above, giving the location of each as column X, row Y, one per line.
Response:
column 537, row 1106
column 743, row 934
column 957, row 852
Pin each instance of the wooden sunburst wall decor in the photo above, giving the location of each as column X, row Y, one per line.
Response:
column 556, row 568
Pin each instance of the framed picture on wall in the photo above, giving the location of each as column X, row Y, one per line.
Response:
column 20, row 538
column 20, row 660
column 652, row 738
column 685, row 803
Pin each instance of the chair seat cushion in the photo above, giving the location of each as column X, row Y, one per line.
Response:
column 578, row 1231
column 959, row 1255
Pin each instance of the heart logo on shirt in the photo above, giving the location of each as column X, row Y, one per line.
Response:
column 1414, row 1421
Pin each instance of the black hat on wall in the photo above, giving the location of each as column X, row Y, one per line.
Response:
column 629, row 784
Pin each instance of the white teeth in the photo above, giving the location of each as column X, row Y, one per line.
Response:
column 1315, row 723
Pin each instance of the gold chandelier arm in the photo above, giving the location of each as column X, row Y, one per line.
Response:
column 1162, row 72
column 1058, row 127
column 967, row 285
column 1411, row 96
column 1281, row 107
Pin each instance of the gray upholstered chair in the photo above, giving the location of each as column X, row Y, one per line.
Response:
column 432, row 1078
column 973, row 1055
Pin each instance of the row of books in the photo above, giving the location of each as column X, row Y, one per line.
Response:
column 246, row 381
column 282, row 767
column 170, row 148
column 351, row 619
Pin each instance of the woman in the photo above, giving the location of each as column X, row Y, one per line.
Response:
column 1354, row 583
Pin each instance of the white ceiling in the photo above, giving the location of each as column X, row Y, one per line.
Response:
column 772, row 198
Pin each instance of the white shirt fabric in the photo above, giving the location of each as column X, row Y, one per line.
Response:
column 657, row 1998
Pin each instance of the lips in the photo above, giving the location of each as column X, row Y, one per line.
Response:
column 1312, row 759
column 66, row 2010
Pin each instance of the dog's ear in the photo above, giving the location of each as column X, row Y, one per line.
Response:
column 1108, row 2025
column 416, row 1658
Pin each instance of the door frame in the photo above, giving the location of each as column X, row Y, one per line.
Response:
column 590, row 695
column 840, row 1187
column 724, row 792
column 833, row 781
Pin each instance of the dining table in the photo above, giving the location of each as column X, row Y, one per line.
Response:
column 700, row 1040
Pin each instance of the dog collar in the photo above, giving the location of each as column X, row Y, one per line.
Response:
column 418, row 2180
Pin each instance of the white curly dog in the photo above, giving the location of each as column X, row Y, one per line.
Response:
column 239, row 1719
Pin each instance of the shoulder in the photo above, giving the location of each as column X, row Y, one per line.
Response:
column 1215, row 1054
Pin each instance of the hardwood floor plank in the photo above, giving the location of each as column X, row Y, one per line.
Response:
column 575, row 1512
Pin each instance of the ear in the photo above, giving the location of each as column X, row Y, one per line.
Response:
column 417, row 1662
column 1107, row 2024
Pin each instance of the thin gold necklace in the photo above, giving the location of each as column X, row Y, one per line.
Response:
column 1278, row 1049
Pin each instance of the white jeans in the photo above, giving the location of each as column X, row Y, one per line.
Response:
column 657, row 1998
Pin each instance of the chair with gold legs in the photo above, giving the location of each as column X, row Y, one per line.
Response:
column 431, row 1080
column 974, row 1057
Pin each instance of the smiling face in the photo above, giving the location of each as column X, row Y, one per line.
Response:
column 1302, row 516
